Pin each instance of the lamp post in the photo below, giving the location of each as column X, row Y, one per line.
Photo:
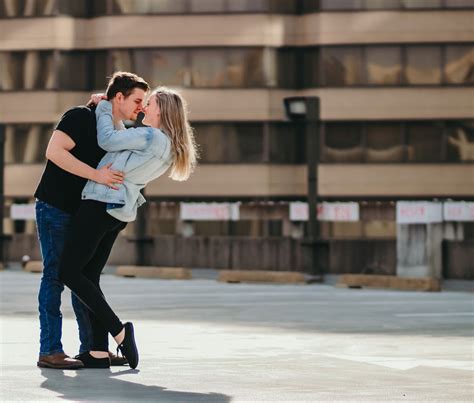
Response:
column 305, row 110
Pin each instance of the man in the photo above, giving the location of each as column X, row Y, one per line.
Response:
column 73, row 155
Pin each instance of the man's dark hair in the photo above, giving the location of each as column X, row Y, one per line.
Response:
column 124, row 82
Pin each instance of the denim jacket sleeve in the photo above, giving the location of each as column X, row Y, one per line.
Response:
column 112, row 140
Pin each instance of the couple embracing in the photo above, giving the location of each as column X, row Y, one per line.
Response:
column 89, row 190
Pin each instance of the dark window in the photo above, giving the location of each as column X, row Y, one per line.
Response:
column 287, row 143
column 230, row 143
column 384, row 142
column 421, row 3
column 425, row 142
column 26, row 143
column 460, row 137
column 342, row 143
column 310, row 67
column 341, row 4
column 342, row 66
column 381, row 4
column 163, row 67
column 31, row 70
column 73, row 71
column 383, row 65
column 423, row 65
column 459, row 67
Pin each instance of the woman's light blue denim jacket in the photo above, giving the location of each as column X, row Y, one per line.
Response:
column 142, row 154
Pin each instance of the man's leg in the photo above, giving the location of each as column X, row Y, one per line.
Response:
column 83, row 324
column 52, row 225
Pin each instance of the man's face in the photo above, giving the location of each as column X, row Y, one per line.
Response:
column 131, row 106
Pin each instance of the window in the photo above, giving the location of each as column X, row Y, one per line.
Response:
column 287, row 143
column 342, row 66
column 341, row 4
column 425, row 142
column 342, row 143
column 163, row 67
column 460, row 137
column 421, row 3
column 205, row 6
column 423, row 65
column 383, row 65
column 73, row 71
column 384, row 142
column 311, row 68
column 147, row 7
column 26, row 143
column 230, row 143
column 382, row 4
column 459, row 3
column 31, row 70
column 459, row 67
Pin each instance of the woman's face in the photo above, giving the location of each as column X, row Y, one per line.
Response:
column 152, row 113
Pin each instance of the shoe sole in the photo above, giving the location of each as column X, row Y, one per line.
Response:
column 132, row 335
column 55, row 366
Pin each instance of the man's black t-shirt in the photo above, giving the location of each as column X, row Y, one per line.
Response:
column 62, row 189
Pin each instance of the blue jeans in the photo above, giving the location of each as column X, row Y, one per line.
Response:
column 53, row 224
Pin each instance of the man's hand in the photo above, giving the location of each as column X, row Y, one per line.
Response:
column 108, row 177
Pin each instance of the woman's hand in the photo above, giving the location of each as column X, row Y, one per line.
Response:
column 96, row 98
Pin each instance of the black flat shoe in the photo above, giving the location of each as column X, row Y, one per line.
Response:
column 92, row 362
column 117, row 360
column 128, row 346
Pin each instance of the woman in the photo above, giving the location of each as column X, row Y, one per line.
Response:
column 142, row 154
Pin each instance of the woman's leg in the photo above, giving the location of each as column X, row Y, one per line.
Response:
column 92, row 271
column 88, row 228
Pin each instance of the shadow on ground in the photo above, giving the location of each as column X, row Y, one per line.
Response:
column 105, row 385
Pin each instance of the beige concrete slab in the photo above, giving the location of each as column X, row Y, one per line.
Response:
column 260, row 276
column 169, row 273
column 391, row 282
column 34, row 266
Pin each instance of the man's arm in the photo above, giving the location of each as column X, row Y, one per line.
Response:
column 58, row 151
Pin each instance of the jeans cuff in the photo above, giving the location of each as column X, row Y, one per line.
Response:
column 51, row 352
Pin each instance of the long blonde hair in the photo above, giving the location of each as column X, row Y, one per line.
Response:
column 174, row 122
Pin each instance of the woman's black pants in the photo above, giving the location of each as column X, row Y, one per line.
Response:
column 87, row 247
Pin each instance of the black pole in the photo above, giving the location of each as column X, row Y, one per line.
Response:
column 312, row 148
column 305, row 110
column 2, row 193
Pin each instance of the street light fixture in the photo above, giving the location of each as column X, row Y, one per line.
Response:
column 305, row 110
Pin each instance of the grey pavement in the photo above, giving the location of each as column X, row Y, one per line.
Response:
column 204, row 341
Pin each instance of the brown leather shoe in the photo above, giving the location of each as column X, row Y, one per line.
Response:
column 59, row 361
column 116, row 360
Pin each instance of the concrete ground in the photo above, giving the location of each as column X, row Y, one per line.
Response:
column 205, row 341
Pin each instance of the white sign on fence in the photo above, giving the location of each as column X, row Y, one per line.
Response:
column 210, row 211
column 413, row 212
column 22, row 211
column 326, row 211
column 458, row 211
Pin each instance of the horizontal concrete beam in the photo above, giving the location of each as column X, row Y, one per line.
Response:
column 244, row 105
column 132, row 31
column 391, row 282
column 167, row 273
column 260, row 276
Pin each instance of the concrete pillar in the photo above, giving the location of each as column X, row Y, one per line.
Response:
column 9, row 144
column 6, row 63
column 419, row 239
column 11, row 8
column 29, row 9
column 31, row 69
column 32, row 144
